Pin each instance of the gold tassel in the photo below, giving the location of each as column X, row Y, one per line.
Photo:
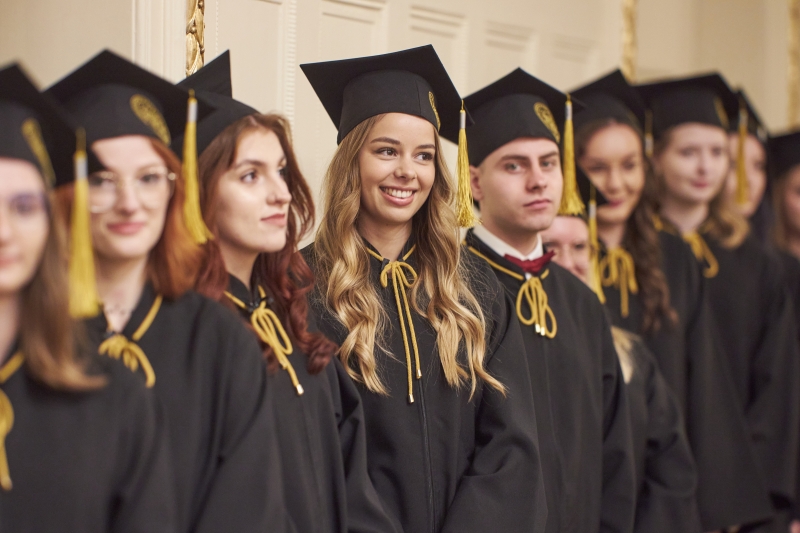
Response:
column 742, row 186
column 648, row 133
column 594, row 241
column 571, row 203
column 464, row 210
column 82, row 284
column 7, row 418
column 192, row 216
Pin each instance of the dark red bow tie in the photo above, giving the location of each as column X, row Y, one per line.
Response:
column 531, row 266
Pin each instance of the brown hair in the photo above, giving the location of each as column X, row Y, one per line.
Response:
column 641, row 239
column 284, row 274
column 49, row 338
column 779, row 229
column 173, row 263
column 725, row 223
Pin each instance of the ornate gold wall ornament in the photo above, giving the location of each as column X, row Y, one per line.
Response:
column 794, row 64
column 723, row 116
column 435, row 112
column 33, row 136
column 148, row 113
column 544, row 114
column 195, row 36
column 630, row 47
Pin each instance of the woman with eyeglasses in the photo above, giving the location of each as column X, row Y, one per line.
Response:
column 205, row 368
column 82, row 444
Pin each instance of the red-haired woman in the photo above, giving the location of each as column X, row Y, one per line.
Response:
column 82, row 449
column 258, row 205
column 205, row 369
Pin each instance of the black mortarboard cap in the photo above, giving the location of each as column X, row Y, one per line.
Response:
column 783, row 153
column 411, row 81
column 610, row 97
column 704, row 99
column 33, row 128
column 109, row 96
column 517, row 105
column 212, row 84
column 755, row 126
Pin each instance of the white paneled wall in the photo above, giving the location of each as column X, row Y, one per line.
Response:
column 566, row 42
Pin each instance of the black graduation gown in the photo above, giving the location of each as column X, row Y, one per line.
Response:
column 212, row 382
column 577, row 374
column 666, row 476
column 322, row 446
column 730, row 489
column 754, row 310
column 86, row 462
column 447, row 463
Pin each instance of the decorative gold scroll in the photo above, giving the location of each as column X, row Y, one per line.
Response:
column 794, row 64
column 629, row 41
column 195, row 36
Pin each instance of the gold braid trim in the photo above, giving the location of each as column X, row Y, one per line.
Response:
column 400, row 284
column 618, row 270
column 703, row 253
column 532, row 292
column 118, row 346
column 269, row 329
column 7, row 417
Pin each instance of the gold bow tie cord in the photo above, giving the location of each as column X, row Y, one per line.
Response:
column 7, row 417
column 269, row 329
column 532, row 292
column 618, row 270
column 400, row 283
column 703, row 253
column 118, row 346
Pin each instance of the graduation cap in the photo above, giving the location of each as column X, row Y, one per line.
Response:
column 783, row 153
column 212, row 84
column 34, row 129
column 610, row 97
column 520, row 105
column 705, row 99
column 108, row 96
column 413, row 82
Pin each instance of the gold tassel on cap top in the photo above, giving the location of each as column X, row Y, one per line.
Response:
column 192, row 216
column 464, row 211
column 82, row 284
column 594, row 241
column 742, row 186
column 571, row 203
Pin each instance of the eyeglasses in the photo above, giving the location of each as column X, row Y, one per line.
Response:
column 26, row 209
column 152, row 188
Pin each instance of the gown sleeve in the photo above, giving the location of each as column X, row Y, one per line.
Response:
column 619, row 477
column 774, row 403
column 145, row 501
column 246, row 494
column 503, row 488
column 365, row 513
column 667, row 500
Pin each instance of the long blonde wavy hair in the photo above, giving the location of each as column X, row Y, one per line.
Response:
column 442, row 293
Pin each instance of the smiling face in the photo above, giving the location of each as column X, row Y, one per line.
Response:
column 694, row 163
column 24, row 224
column 755, row 163
column 614, row 162
column 397, row 166
column 568, row 237
column 519, row 188
column 252, row 197
column 133, row 224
